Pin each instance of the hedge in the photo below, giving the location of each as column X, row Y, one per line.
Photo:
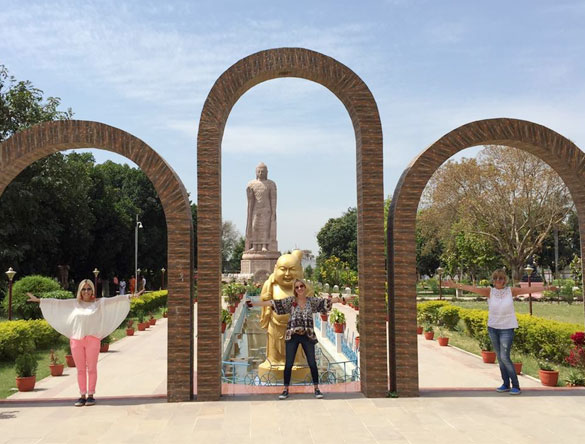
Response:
column 542, row 338
column 148, row 302
column 18, row 337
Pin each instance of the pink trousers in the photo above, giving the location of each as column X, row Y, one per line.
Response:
column 85, row 354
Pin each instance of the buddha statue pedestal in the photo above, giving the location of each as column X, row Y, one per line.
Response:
column 259, row 264
column 269, row 373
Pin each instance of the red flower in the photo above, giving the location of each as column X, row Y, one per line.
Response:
column 578, row 338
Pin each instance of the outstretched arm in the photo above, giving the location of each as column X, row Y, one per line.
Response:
column 32, row 298
column 482, row 291
column 533, row 289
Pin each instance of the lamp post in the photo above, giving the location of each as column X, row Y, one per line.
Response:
column 440, row 273
column 162, row 271
column 10, row 273
column 136, row 269
column 529, row 271
column 95, row 273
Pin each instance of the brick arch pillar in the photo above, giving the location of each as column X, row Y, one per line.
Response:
column 557, row 151
column 362, row 108
column 33, row 144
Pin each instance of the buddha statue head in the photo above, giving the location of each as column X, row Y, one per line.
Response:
column 288, row 268
column 261, row 171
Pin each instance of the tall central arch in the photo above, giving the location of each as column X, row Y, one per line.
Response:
column 557, row 151
column 363, row 111
column 25, row 147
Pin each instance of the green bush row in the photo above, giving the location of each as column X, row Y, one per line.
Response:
column 18, row 337
column 148, row 302
column 542, row 338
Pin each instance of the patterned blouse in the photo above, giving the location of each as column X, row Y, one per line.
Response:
column 301, row 318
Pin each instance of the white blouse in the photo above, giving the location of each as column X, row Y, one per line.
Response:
column 501, row 313
column 77, row 319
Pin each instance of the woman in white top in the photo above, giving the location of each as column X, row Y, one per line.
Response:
column 502, row 321
column 85, row 321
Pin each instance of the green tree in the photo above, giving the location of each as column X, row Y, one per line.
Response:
column 507, row 196
column 338, row 238
column 22, row 105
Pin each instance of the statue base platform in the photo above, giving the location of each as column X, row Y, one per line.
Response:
column 271, row 374
column 260, row 264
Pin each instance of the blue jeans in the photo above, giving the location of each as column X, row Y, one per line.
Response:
column 291, row 350
column 502, row 339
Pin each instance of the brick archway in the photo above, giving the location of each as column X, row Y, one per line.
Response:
column 560, row 153
column 30, row 145
column 362, row 108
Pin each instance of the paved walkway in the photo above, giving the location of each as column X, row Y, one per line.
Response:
column 137, row 365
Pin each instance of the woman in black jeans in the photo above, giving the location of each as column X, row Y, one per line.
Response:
column 300, row 328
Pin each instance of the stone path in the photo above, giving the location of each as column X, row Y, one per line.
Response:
column 452, row 414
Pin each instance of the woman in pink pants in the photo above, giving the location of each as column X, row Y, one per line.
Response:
column 85, row 321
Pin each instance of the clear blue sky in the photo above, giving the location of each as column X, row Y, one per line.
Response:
column 147, row 66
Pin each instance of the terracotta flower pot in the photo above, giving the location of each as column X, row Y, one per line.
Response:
column 232, row 309
column 338, row 328
column 489, row 357
column 70, row 361
column 166, row 315
column 223, row 326
column 357, row 342
column 549, row 378
column 443, row 342
column 152, row 321
column 419, row 330
column 104, row 348
column 518, row 367
column 129, row 332
column 141, row 326
column 26, row 384
column 356, row 308
column 429, row 335
column 323, row 317
column 56, row 369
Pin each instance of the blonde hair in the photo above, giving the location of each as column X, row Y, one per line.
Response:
column 309, row 291
column 500, row 273
column 81, row 285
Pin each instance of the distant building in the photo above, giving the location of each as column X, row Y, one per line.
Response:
column 308, row 259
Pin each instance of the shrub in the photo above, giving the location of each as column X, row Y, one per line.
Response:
column 148, row 302
column 25, row 365
column 226, row 317
column 448, row 316
column 16, row 337
column 39, row 286
column 336, row 317
column 428, row 312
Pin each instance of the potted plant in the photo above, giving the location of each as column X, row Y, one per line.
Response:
column 25, row 366
column 548, row 374
column 324, row 316
column 141, row 326
column 442, row 339
column 516, row 360
column 55, row 364
column 105, row 344
column 151, row 320
column 69, row 357
column 487, row 349
column 226, row 319
column 337, row 319
column 428, row 331
column 166, row 313
column 356, row 303
column 130, row 328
